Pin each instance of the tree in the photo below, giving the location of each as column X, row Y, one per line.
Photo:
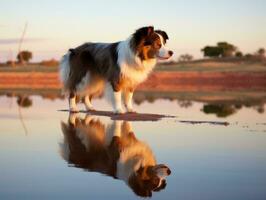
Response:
column 261, row 53
column 227, row 49
column 222, row 49
column 239, row 54
column 211, row 51
column 185, row 58
column 24, row 56
column 249, row 56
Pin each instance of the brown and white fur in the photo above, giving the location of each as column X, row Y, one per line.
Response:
column 90, row 68
column 113, row 150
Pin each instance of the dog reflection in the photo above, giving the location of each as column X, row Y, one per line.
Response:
column 112, row 150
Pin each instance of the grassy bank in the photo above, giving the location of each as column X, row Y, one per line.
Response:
column 214, row 66
column 210, row 65
column 28, row 68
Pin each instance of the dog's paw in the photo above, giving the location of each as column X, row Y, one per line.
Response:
column 130, row 110
column 119, row 111
column 73, row 110
column 90, row 108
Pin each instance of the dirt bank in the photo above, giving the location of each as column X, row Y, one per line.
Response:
column 158, row 81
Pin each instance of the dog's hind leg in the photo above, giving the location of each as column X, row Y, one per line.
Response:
column 87, row 102
column 72, row 102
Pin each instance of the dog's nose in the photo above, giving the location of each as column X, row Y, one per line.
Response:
column 168, row 171
column 170, row 53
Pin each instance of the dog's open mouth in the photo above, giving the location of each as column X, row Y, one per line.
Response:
column 162, row 58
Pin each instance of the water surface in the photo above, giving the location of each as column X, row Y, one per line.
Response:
column 207, row 159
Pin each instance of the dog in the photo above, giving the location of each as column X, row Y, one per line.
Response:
column 87, row 70
column 112, row 150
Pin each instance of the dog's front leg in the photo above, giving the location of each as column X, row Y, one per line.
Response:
column 128, row 101
column 72, row 102
column 117, row 104
column 114, row 131
column 87, row 102
column 72, row 118
column 114, row 143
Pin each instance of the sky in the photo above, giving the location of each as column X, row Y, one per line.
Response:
column 55, row 26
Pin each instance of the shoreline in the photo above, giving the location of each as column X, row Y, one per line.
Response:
column 157, row 81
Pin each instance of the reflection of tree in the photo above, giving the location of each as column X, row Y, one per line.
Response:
column 150, row 98
column 220, row 110
column 52, row 96
column 259, row 108
column 139, row 98
column 10, row 94
column 224, row 110
column 24, row 101
column 238, row 106
column 184, row 103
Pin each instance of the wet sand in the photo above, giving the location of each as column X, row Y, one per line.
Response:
column 146, row 117
column 205, row 122
column 126, row 116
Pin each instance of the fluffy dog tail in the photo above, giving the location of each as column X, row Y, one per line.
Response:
column 64, row 70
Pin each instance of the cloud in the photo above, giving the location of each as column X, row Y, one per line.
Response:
column 16, row 40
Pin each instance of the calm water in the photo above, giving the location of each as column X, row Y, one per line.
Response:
column 40, row 160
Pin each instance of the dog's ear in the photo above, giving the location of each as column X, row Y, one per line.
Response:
column 145, row 31
column 139, row 186
column 141, row 35
column 150, row 30
column 71, row 50
column 163, row 34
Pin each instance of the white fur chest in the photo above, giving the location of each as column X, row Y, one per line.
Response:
column 137, row 74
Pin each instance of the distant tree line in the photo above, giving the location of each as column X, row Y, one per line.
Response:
column 220, row 50
column 225, row 49
column 185, row 58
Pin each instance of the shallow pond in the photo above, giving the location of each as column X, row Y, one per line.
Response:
column 47, row 154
